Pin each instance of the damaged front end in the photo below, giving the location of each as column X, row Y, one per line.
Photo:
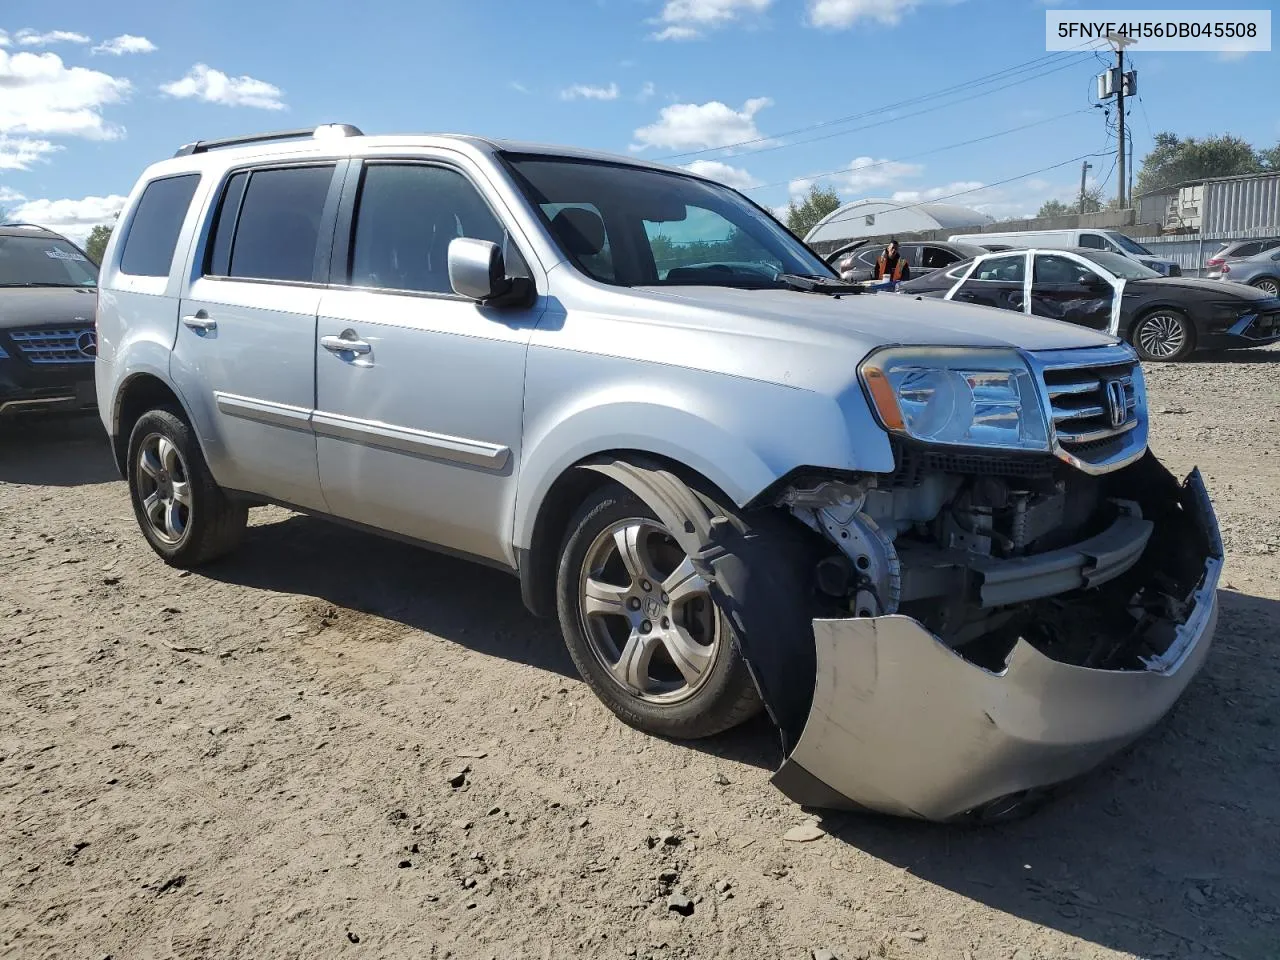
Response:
column 1013, row 626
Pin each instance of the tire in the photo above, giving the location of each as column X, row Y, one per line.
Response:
column 191, row 521
column 1164, row 335
column 1268, row 285
column 713, row 691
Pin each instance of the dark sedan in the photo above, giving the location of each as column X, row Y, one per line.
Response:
column 1165, row 318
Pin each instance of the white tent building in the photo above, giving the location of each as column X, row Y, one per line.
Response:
column 877, row 218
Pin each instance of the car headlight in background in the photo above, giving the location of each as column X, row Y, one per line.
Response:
column 958, row 397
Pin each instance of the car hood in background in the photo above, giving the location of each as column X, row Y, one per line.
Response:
column 29, row 306
column 1193, row 286
column 868, row 320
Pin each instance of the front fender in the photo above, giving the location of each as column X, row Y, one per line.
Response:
column 742, row 435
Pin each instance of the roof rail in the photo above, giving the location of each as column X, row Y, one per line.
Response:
column 322, row 131
column 19, row 223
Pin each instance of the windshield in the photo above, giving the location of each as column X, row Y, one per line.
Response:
column 1124, row 243
column 971, row 250
column 1119, row 265
column 43, row 262
column 633, row 226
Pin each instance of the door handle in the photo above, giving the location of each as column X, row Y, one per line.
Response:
column 200, row 321
column 345, row 345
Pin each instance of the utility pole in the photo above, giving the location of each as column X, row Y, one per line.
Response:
column 1084, row 172
column 1119, row 41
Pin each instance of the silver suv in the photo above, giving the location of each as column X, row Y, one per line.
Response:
column 927, row 537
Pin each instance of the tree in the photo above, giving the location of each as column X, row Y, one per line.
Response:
column 1056, row 208
column 96, row 245
column 1174, row 160
column 817, row 203
column 1270, row 159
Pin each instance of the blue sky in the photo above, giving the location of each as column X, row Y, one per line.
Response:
column 90, row 93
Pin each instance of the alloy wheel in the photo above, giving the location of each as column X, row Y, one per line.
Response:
column 164, row 489
column 1269, row 287
column 1162, row 335
column 647, row 614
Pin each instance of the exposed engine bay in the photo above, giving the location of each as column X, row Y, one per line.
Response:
column 1093, row 571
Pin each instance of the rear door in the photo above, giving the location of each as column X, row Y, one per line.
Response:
column 247, row 331
column 996, row 281
column 419, row 392
column 1064, row 288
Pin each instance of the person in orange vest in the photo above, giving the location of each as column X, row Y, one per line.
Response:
column 890, row 265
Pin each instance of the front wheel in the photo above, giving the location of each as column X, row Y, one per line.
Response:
column 1268, row 285
column 642, row 627
column 182, row 511
column 1164, row 335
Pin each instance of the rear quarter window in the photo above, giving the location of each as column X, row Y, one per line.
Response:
column 155, row 225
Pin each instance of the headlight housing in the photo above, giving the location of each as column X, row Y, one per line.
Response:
column 957, row 397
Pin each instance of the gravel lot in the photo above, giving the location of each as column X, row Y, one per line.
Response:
column 331, row 745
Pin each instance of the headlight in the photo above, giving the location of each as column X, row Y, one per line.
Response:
column 959, row 397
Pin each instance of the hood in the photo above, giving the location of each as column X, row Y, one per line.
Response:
column 866, row 320
column 1196, row 286
column 33, row 306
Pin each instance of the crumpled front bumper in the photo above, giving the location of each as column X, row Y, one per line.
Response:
column 902, row 724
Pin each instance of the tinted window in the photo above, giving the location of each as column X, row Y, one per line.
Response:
column 153, row 231
column 43, row 262
column 1246, row 250
column 279, row 224
column 1063, row 270
column 1093, row 241
column 1009, row 269
column 228, row 211
column 933, row 258
column 406, row 218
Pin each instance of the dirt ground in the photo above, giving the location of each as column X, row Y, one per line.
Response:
column 263, row 759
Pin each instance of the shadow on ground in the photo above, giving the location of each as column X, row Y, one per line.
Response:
column 55, row 451
column 1128, row 858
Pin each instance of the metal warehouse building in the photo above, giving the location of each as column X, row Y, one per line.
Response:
column 878, row 218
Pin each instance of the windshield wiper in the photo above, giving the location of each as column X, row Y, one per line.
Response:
column 812, row 283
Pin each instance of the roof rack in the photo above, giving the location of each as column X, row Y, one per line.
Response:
column 325, row 130
column 19, row 223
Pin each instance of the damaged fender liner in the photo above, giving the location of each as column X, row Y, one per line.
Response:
column 903, row 724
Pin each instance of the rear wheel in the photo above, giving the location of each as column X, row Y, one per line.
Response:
column 642, row 627
column 182, row 511
column 1268, row 285
column 1165, row 335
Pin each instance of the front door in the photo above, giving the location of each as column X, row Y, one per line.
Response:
column 247, row 330
column 1063, row 288
column 419, row 392
column 997, row 281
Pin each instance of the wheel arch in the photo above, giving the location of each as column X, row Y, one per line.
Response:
column 139, row 392
column 1168, row 306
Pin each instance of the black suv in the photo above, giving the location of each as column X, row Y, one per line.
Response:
column 48, row 294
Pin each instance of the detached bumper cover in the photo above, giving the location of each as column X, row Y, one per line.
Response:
column 901, row 724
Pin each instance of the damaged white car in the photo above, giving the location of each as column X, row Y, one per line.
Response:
column 928, row 538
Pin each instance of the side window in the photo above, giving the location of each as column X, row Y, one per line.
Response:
column 154, row 228
column 869, row 256
column 957, row 272
column 1268, row 245
column 406, row 216
column 1247, row 250
column 935, row 258
column 1062, row 270
column 1008, row 269
column 1093, row 241
column 278, row 226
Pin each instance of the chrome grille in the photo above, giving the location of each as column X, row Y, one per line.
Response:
column 58, row 345
column 1098, row 406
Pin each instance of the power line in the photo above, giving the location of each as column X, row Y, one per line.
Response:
column 1001, row 76
column 961, row 193
column 922, row 153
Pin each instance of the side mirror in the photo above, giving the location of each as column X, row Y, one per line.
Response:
column 478, row 272
column 1095, row 283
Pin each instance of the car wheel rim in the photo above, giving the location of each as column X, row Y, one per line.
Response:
column 1162, row 335
column 1269, row 287
column 164, row 489
column 647, row 614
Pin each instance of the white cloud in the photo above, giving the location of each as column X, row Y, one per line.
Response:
column 43, row 96
column 213, row 86
column 9, row 195
column 841, row 14
column 30, row 38
column 964, row 187
column 686, row 19
column 4, row 39
column 74, row 218
column 19, row 153
column 646, row 91
column 582, row 91
column 693, row 125
column 518, row 87
column 730, row 176
column 125, row 43
column 864, row 174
